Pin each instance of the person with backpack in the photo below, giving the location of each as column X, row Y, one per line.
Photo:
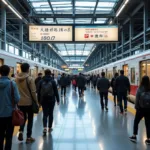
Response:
column 123, row 88
column 27, row 90
column 103, row 85
column 142, row 106
column 114, row 90
column 63, row 83
column 47, row 95
column 6, row 107
column 37, row 80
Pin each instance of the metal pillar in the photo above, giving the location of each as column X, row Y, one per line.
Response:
column 131, row 33
column 122, row 42
column 145, row 23
column 3, row 25
column 21, row 38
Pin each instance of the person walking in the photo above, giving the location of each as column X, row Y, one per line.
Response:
column 48, row 94
column 81, row 81
column 37, row 80
column 114, row 90
column 142, row 106
column 26, row 86
column 103, row 85
column 63, row 83
column 6, row 107
column 123, row 88
column 94, row 81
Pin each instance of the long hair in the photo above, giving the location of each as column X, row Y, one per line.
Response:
column 145, row 83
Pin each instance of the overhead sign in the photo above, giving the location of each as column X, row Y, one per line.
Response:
column 96, row 33
column 50, row 33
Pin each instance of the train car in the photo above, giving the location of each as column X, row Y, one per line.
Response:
column 135, row 67
column 14, row 62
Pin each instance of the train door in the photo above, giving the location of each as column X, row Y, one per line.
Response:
column 1, row 62
column 144, row 68
column 18, row 68
column 125, row 68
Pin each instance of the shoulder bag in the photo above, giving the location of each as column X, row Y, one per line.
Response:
column 35, row 107
column 17, row 115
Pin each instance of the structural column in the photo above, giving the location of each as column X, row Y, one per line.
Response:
column 131, row 33
column 21, row 38
column 3, row 25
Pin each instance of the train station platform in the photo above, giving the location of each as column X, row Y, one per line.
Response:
column 80, row 124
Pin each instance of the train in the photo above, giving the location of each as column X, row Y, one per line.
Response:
column 135, row 67
column 14, row 62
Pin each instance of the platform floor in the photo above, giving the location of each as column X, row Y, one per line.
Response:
column 81, row 125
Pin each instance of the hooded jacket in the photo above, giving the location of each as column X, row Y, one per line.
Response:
column 56, row 95
column 6, row 107
column 26, row 99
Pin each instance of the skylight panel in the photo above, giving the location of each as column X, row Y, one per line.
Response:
column 85, row 4
column 106, row 4
column 103, row 9
column 84, row 8
column 101, row 22
column 63, row 53
column 39, row 4
column 59, row 8
column 79, row 52
column 86, row 53
column 42, row 9
column 60, row 3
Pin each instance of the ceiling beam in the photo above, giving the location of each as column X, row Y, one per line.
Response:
column 71, row 16
column 92, row 20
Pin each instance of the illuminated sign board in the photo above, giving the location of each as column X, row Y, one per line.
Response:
column 50, row 33
column 96, row 33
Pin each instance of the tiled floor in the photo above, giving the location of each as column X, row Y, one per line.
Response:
column 81, row 125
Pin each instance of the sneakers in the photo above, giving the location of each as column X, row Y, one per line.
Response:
column 125, row 111
column 121, row 113
column 106, row 108
column 133, row 138
column 44, row 131
column 30, row 140
column 147, row 142
column 20, row 136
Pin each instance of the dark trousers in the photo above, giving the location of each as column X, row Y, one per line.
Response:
column 28, row 114
column 122, row 96
column 104, row 95
column 63, row 88
column 48, row 109
column 80, row 89
column 6, row 132
column 139, row 115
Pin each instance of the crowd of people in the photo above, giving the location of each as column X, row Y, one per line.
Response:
column 44, row 92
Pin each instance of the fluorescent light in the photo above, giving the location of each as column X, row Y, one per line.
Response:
column 110, row 22
column 4, row 2
column 14, row 11
column 60, row 3
column 122, row 7
column 85, row 4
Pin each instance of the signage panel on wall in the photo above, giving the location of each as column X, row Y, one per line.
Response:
column 96, row 33
column 50, row 33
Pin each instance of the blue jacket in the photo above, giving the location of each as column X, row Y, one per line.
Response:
column 6, row 107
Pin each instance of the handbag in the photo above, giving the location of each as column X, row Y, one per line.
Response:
column 17, row 115
column 35, row 107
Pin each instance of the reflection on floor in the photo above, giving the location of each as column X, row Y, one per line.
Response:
column 81, row 125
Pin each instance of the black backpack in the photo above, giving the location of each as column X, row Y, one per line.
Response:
column 145, row 100
column 47, row 92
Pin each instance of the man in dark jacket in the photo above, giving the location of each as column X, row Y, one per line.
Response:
column 63, row 84
column 103, row 86
column 81, row 81
column 48, row 101
column 37, row 80
column 114, row 91
column 122, row 86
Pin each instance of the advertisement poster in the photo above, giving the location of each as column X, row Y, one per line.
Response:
column 96, row 33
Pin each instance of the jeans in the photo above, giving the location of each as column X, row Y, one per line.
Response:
column 48, row 109
column 139, row 115
column 6, row 132
column 122, row 96
column 105, row 96
column 80, row 89
column 28, row 114
column 63, row 88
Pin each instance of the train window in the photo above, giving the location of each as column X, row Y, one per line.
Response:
column 132, row 75
column 1, row 62
column 11, row 49
column 125, row 68
column 145, row 68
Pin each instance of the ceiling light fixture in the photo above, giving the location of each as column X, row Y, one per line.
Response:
column 122, row 7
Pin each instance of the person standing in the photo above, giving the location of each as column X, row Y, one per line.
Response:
column 6, row 108
column 103, row 85
column 122, row 87
column 48, row 94
column 114, row 90
column 142, row 106
column 63, row 83
column 37, row 80
column 81, row 81
column 26, row 86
